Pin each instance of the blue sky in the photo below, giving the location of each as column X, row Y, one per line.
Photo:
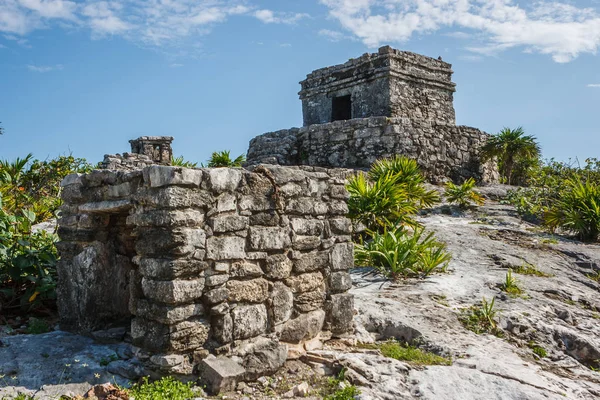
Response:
column 87, row 76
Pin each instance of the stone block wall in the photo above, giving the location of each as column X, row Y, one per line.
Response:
column 444, row 151
column 251, row 264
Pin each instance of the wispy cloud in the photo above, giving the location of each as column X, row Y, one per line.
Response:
column 148, row 22
column 44, row 68
column 594, row 85
column 175, row 65
column 334, row 36
column 270, row 17
column 556, row 28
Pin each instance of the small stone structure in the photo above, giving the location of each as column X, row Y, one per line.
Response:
column 247, row 265
column 145, row 151
column 378, row 105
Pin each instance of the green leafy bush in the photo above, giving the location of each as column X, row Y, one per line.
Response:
column 463, row 195
column 391, row 193
column 165, row 388
column 220, row 159
column 27, row 262
column 181, row 162
column 395, row 253
column 577, row 210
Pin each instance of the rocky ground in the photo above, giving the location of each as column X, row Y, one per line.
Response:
column 558, row 312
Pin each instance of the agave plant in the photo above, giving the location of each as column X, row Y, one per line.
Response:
column 577, row 210
column 397, row 253
column 463, row 195
column 220, row 159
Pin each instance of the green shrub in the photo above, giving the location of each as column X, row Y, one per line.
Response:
column 463, row 195
column 337, row 388
column 27, row 262
column 379, row 204
column 577, row 210
column 221, row 159
column 537, row 349
column 396, row 253
column 181, row 162
column 390, row 194
column 165, row 388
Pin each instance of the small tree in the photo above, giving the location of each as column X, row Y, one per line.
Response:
column 515, row 152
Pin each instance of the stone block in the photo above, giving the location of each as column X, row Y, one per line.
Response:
column 173, row 292
column 282, row 300
column 340, row 312
column 309, row 301
column 166, row 269
column 278, row 266
column 340, row 281
column 216, row 280
column 225, row 248
column 228, row 223
column 106, row 207
column 304, row 327
column 220, row 374
column 159, row 175
column 245, row 270
column 71, row 179
column 269, row 238
column 174, row 197
column 308, row 262
column 168, row 315
column 306, row 242
column 310, row 227
column 162, row 242
column 262, row 356
column 305, row 282
column 188, row 335
column 252, row 291
column 216, row 296
column 249, row 321
column 342, row 256
column 224, row 179
column 222, row 326
column 340, row 225
column 167, row 218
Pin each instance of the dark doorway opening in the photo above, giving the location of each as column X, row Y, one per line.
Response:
column 341, row 108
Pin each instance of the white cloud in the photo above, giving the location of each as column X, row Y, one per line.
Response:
column 594, row 85
column 270, row 17
column 334, row 36
column 45, row 68
column 547, row 27
column 175, row 65
column 148, row 22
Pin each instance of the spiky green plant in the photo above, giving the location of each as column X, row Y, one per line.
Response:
column 181, row 162
column 221, row 159
column 379, row 204
column 396, row 253
column 511, row 284
column 514, row 150
column 405, row 172
column 463, row 195
column 577, row 210
column 480, row 319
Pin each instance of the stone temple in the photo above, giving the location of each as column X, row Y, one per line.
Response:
column 378, row 105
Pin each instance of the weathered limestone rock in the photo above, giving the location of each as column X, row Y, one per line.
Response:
column 225, row 248
column 249, row 321
column 283, row 302
column 253, row 291
column 304, row 327
column 220, row 374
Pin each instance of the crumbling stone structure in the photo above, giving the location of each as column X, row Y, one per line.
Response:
column 145, row 151
column 378, row 105
column 250, row 265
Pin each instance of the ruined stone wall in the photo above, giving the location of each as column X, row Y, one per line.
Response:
column 389, row 83
column 249, row 264
column 442, row 150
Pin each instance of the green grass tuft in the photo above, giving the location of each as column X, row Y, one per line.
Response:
column 165, row 388
column 410, row 354
column 530, row 269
